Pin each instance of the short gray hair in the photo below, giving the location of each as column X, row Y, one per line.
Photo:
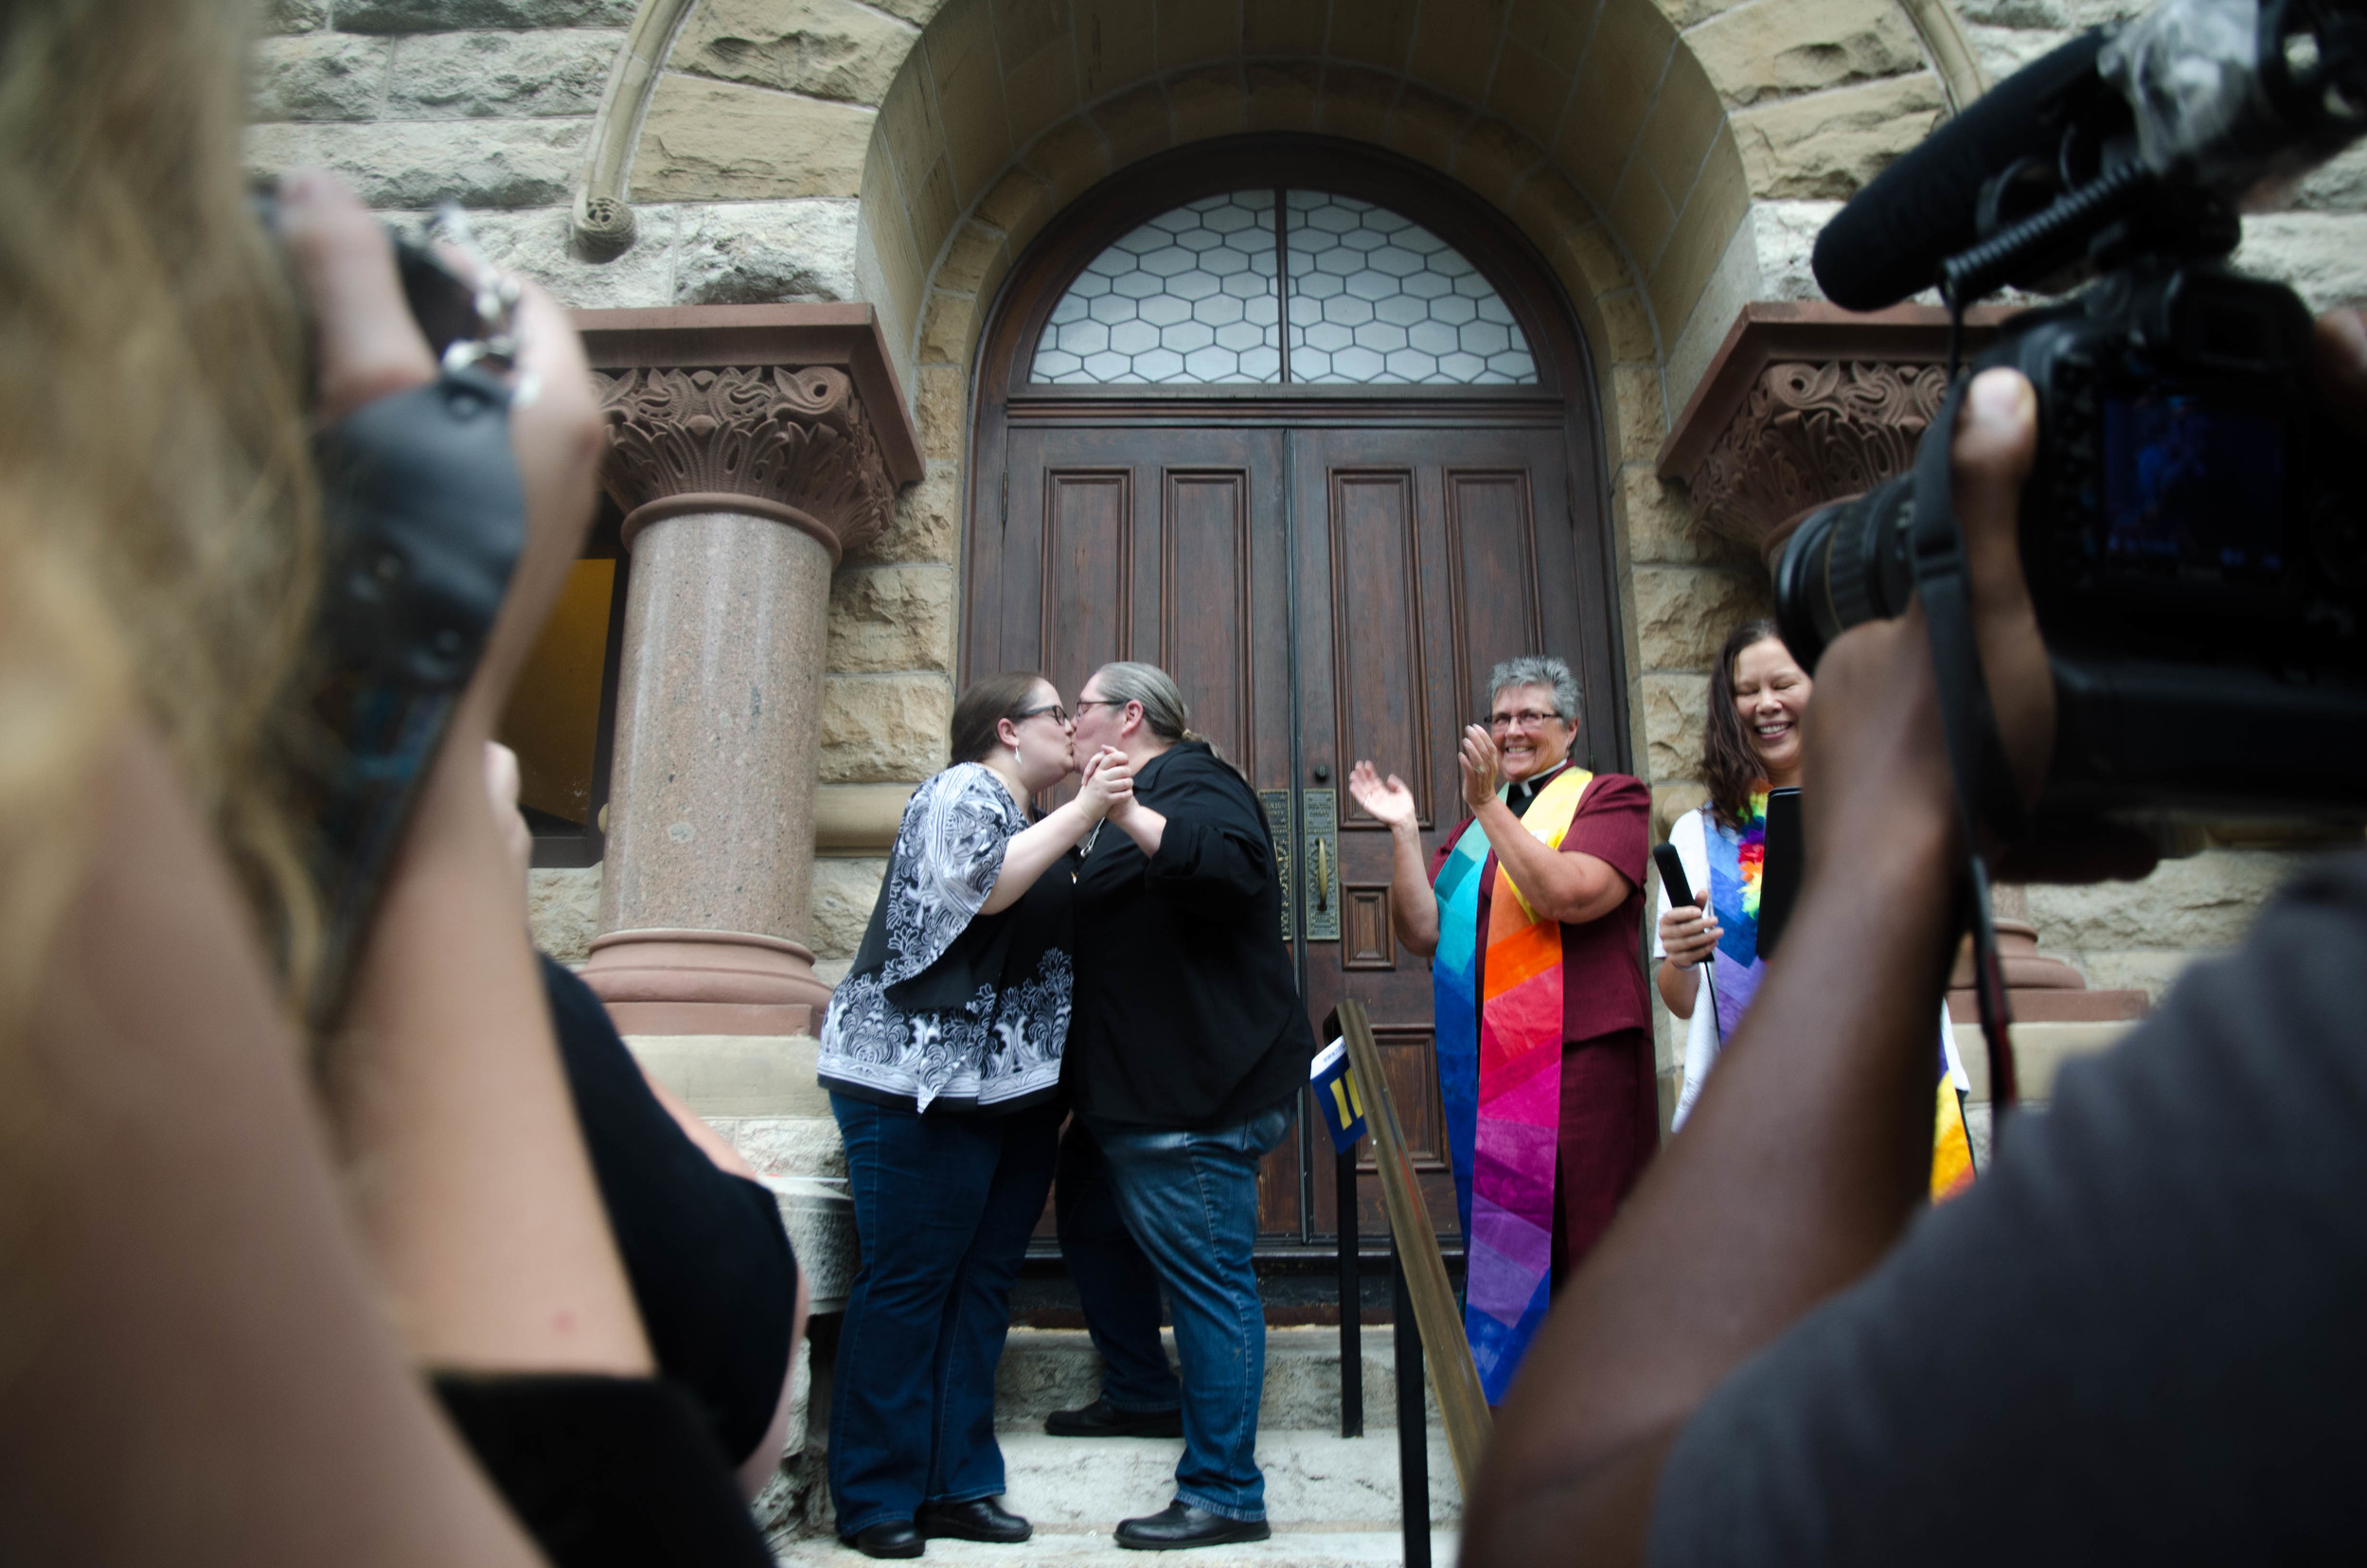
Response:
column 1536, row 670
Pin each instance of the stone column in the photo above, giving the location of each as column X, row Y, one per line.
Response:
column 741, row 486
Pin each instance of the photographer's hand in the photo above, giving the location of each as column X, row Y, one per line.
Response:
column 470, row 1180
column 1810, row 1150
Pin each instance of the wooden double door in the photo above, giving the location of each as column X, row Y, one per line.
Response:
column 1323, row 590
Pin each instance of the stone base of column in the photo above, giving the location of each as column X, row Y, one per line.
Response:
column 2040, row 990
column 706, row 982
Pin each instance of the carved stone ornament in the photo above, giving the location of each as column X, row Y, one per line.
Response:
column 1807, row 434
column 794, row 441
column 1806, row 403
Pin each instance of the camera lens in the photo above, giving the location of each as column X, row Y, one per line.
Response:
column 1846, row 564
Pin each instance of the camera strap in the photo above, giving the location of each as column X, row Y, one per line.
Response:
column 1986, row 793
column 425, row 517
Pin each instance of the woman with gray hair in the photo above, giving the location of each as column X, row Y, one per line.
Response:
column 1186, row 1055
column 1530, row 911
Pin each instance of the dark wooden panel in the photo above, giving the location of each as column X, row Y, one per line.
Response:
column 1206, row 609
column 1375, row 626
column 1088, row 570
column 1367, row 941
column 1491, row 543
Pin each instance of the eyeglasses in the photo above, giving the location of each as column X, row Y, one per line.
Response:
column 1084, row 702
column 1059, row 714
column 1528, row 718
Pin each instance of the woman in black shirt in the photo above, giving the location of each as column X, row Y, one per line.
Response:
column 1188, row 1050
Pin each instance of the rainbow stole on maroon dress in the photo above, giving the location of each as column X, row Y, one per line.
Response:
column 1500, row 1080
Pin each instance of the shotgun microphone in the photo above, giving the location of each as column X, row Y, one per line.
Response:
column 1888, row 243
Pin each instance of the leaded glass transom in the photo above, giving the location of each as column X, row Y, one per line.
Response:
column 1375, row 298
column 1194, row 298
column 1189, row 297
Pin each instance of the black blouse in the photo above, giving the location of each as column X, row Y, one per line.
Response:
column 1187, row 1008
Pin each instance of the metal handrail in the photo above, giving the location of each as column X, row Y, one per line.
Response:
column 1423, row 1300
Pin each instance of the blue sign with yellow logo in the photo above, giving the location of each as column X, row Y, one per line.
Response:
column 1334, row 1083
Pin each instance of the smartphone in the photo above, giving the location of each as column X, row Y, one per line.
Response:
column 1779, row 877
column 1672, row 873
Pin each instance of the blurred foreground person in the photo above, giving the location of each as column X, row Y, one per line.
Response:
column 2135, row 1340
column 1529, row 913
column 227, row 1253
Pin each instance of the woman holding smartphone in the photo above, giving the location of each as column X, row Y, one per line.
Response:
column 1749, row 747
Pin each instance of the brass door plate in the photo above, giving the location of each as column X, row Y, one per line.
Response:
column 1278, row 805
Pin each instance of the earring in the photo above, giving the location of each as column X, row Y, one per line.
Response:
column 1017, row 760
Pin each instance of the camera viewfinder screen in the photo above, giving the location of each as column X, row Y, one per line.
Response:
column 2193, row 489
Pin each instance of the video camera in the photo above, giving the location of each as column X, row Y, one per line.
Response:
column 2192, row 530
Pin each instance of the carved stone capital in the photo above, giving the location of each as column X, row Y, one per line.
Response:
column 783, row 411
column 1804, row 404
column 794, row 438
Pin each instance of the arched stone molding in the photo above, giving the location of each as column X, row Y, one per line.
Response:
column 933, row 102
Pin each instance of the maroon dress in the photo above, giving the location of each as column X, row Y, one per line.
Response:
column 1610, row 1096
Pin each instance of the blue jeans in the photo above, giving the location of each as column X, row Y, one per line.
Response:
column 943, row 1205
column 1115, row 1284
column 1190, row 1201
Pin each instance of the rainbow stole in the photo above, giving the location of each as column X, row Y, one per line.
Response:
column 1500, row 1082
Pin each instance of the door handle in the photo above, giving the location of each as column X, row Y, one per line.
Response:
column 1319, row 830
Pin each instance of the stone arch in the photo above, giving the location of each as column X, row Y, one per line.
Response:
column 935, row 100
column 1599, row 133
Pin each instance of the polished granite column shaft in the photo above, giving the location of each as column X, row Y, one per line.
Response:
column 741, row 485
column 709, row 865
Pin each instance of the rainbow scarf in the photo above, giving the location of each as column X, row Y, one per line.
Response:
column 1738, row 860
column 1500, row 1079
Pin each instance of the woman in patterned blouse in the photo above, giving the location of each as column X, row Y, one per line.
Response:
column 941, row 1051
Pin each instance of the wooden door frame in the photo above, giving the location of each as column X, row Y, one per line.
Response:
column 1564, row 394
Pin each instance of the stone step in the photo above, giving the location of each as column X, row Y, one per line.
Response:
column 1290, row 1548
column 1048, row 1369
column 1332, row 1501
column 1314, row 1480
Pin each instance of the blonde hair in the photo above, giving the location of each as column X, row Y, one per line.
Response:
column 157, row 517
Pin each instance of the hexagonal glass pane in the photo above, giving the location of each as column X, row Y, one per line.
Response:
column 1187, row 298
column 1377, row 298
column 1190, row 297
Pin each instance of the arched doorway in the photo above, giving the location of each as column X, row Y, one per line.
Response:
column 1312, row 429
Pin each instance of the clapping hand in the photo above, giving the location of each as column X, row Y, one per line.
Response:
column 1108, row 784
column 1688, row 931
column 1481, row 766
column 1391, row 804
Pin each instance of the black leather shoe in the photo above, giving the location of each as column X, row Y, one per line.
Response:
column 894, row 1538
column 1180, row 1524
column 980, row 1518
column 1103, row 1419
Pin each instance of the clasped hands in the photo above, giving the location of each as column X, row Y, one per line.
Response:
column 1106, row 788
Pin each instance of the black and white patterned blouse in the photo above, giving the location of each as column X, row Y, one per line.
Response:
column 946, row 1008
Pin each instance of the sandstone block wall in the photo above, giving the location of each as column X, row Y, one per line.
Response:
column 904, row 152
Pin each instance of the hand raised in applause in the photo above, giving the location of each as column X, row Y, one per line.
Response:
column 1390, row 804
column 1688, row 931
column 1481, row 766
column 1108, row 786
